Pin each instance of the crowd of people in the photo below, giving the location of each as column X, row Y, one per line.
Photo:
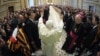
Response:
column 82, row 28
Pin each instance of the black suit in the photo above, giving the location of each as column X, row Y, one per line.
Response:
column 31, row 30
column 88, row 40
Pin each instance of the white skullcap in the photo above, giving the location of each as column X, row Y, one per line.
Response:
column 49, row 24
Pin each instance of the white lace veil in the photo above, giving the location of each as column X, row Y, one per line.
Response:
column 55, row 17
column 54, row 20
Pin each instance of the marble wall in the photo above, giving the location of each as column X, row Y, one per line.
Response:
column 94, row 3
column 73, row 3
column 84, row 4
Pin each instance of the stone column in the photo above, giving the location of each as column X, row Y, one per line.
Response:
column 35, row 2
column 65, row 2
column 23, row 4
column 49, row 1
column 41, row 2
column 68, row 2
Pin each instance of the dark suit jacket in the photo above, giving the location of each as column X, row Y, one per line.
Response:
column 31, row 30
column 90, row 37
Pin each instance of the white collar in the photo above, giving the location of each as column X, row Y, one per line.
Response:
column 94, row 26
column 32, row 20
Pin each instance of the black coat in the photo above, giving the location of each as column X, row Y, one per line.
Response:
column 90, row 38
column 31, row 30
column 68, row 21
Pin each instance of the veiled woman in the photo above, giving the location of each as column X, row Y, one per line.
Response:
column 52, row 34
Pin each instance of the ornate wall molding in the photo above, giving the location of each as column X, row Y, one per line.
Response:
column 16, row 3
column 2, row 2
column 97, row 3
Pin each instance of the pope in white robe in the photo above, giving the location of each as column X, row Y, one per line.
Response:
column 52, row 34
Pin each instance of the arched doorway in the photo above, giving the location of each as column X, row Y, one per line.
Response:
column 11, row 9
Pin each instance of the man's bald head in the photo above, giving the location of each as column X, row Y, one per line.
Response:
column 78, row 19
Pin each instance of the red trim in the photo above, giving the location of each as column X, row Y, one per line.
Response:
column 12, row 39
column 74, row 38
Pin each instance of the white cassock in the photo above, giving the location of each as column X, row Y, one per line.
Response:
column 52, row 35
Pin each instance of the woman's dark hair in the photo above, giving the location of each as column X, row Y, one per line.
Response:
column 46, row 14
column 62, row 12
